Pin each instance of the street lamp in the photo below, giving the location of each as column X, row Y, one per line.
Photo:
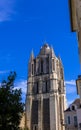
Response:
column 78, row 85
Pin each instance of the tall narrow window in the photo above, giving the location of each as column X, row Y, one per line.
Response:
column 53, row 64
column 75, row 120
column 46, row 87
column 73, row 107
column 68, row 119
column 47, row 65
column 35, row 66
column 35, row 128
column 34, row 114
column 37, row 85
column 61, row 72
column 32, row 69
column 41, row 66
column 36, row 88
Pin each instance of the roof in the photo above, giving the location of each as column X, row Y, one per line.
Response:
column 75, row 102
column 46, row 49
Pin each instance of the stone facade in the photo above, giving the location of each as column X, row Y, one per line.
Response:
column 73, row 116
column 75, row 16
column 78, row 85
column 46, row 98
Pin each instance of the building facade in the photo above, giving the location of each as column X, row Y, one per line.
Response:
column 46, row 97
column 78, row 85
column 75, row 18
column 73, row 116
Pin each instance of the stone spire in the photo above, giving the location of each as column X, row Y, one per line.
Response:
column 60, row 59
column 52, row 52
column 31, row 56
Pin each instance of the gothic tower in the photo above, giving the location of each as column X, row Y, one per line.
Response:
column 45, row 100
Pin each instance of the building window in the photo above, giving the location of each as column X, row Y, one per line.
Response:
column 61, row 72
column 35, row 127
column 46, row 87
column 41, row 66
column 75, row 121
column 68, row 120
column 73, row 107
column 32, row 69
column 53, row 64
column 36, row 88
column 47, row 65
column 35, row 66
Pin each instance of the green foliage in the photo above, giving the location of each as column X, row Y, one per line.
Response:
column 11, row 107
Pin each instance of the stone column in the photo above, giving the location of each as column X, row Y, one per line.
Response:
column 53, row 112
column 62, row 111
column 40, row 108
column 39, row 114
column 28, row 112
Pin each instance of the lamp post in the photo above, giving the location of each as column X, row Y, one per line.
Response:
column 78, row 85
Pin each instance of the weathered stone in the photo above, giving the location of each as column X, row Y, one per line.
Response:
column 45, row 102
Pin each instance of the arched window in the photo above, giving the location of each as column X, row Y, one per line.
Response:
column 73, row 107
column 47, row 65
column 53, row 64
column 37, row 87
column 35, row 66
column 46, row 87
column 32, row 69
column 35, row 127
column 41, row 66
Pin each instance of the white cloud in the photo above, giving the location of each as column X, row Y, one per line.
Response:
column 6, row 9
column 23, row 85
column 71, row 82
column 70, row 87
column 4, row 72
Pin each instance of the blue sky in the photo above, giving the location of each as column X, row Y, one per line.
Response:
column 26, row 25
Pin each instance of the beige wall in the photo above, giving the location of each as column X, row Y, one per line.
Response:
column 71, row 125
column 75, row 14
column 79, row 116
column 22, row 123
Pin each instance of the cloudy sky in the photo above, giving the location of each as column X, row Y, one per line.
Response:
column 25, row 25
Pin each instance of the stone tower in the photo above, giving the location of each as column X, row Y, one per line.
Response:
column 45, row 101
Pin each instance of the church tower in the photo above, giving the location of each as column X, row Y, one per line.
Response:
column 46, row 98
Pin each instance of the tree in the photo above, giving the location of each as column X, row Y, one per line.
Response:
column 11, row 106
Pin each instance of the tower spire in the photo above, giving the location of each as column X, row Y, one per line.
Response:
column 31, row 56
column 52, row 52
